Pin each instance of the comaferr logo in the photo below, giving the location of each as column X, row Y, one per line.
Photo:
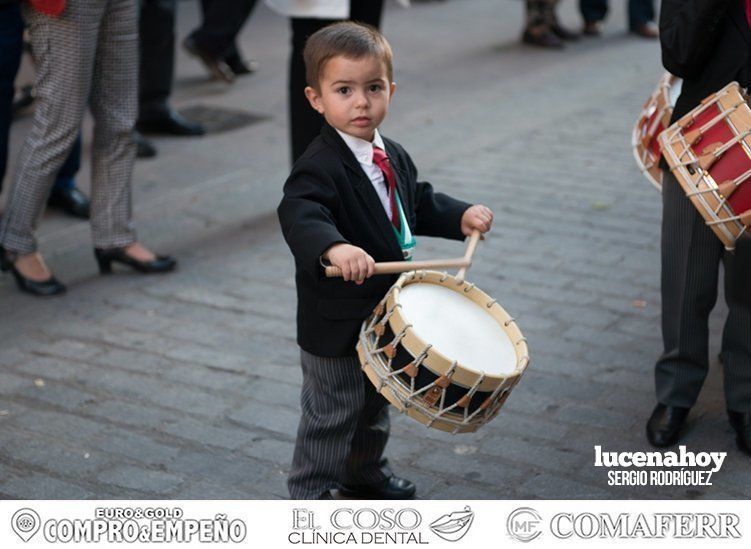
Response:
column 642, row 525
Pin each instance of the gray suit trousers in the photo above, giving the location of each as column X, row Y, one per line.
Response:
column 691, row 255
column 86, row 56
column 343, row 429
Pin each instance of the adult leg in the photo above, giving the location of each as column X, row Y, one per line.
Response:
column 222, row 22
column 114, row 104
column 332, row 399
column 736, row 337
column 11, row 44
column 369, row 12
column 66, row 176
column 690, row 263
column 157, row 71
column 157, row 54
column 593, row 11
column 538, row 29
column 640, row 12
column 304, row 123
column 63, row 48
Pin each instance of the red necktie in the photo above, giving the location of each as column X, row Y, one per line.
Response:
column 382, row 161
column 748, row 12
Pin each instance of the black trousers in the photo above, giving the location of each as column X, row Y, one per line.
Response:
column 691, row 256
column 304, row 122
column 222, row 22
column 639, row 11
column 157, row 32
column 11, row 43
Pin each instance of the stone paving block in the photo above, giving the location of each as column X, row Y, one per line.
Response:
column 278, row 420
column 54, row 393
column 595, row 416
column 199, row 432
column 45, row 454
column 143, row 480
column 546, row 486
column 41, row 486
column 11, row 383
column 478, row 468
column 269, row 449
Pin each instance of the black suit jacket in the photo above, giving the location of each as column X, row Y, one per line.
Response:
column 329, row 199
column 707, row 43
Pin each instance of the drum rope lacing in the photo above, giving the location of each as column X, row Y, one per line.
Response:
column 703, row 129
column 702, row 164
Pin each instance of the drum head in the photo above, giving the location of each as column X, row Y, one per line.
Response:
column 458, row 328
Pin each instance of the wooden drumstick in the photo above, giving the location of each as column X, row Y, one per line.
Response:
column 395, row 267
column 471, row 247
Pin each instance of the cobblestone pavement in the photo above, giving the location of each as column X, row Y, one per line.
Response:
column 186, row 386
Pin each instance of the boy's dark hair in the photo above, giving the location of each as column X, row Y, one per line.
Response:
column 348, row 39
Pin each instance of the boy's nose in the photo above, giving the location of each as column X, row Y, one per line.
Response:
column 361, row 100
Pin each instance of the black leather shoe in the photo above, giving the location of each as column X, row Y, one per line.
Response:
column 664, row 426
column 44, row 288
column 742, row 425
column 167, row 121
column 144, row 147
column 390, row 488
column 105, row 258
column 216, row 66
column 240, row 66
column 592, row 28
column 71, row 200
column 544, row 39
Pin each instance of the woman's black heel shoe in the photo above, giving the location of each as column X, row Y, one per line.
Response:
column 44, row 288
column 105, row 257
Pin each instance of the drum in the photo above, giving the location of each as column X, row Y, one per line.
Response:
column 709, row 152
column 654, row 118
column 442, row 351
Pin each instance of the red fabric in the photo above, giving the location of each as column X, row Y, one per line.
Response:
column 382, row 161
column 48, row 7
column 748, row 12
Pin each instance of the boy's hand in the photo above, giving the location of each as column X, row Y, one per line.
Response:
column 354, row 262
column 477, row 217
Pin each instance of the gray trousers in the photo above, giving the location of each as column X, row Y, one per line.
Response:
column 691, row 254
column 86, row 56
column 343, row 429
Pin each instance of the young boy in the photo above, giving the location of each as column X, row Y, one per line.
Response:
column 352, row 199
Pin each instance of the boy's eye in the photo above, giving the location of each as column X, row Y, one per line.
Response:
column 344, row 90
column 376, row 87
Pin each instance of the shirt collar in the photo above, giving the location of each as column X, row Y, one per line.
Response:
column 363, row 150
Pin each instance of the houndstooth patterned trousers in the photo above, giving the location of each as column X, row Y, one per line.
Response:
column 86, row 56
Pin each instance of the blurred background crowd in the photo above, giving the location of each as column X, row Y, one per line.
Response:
column 116, row 59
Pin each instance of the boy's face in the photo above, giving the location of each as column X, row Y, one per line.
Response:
column 353, row 94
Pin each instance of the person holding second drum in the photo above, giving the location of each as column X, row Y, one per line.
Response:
column 352, row 198
column 708, row 44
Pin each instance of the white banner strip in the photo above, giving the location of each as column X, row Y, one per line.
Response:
column 448, row 523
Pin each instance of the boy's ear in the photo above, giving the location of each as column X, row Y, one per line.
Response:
column 392, row 89
column 314, row 98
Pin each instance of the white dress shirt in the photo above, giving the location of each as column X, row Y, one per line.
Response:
column 363, row 151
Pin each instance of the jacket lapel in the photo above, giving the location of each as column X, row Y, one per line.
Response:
column 738, row 15
column 364, row 188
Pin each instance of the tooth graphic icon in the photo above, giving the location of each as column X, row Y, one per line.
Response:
column 25, row 523
column 454, row 526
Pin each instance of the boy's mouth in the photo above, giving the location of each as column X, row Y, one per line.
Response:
column 361, row 121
